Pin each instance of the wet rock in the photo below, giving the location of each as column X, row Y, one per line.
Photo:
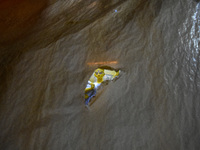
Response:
column 44, row 71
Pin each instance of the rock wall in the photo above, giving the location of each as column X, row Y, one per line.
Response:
column 154, row 105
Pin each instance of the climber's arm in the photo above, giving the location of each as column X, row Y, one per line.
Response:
column 116, row 74
column 90, row 88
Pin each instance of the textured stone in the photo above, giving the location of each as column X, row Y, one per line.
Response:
column 153, row 106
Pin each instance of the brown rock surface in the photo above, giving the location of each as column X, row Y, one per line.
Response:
column 153, row 106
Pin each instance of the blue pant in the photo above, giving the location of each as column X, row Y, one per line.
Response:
column 90, row 94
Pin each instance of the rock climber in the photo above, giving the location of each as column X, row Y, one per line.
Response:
column 92, row 87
